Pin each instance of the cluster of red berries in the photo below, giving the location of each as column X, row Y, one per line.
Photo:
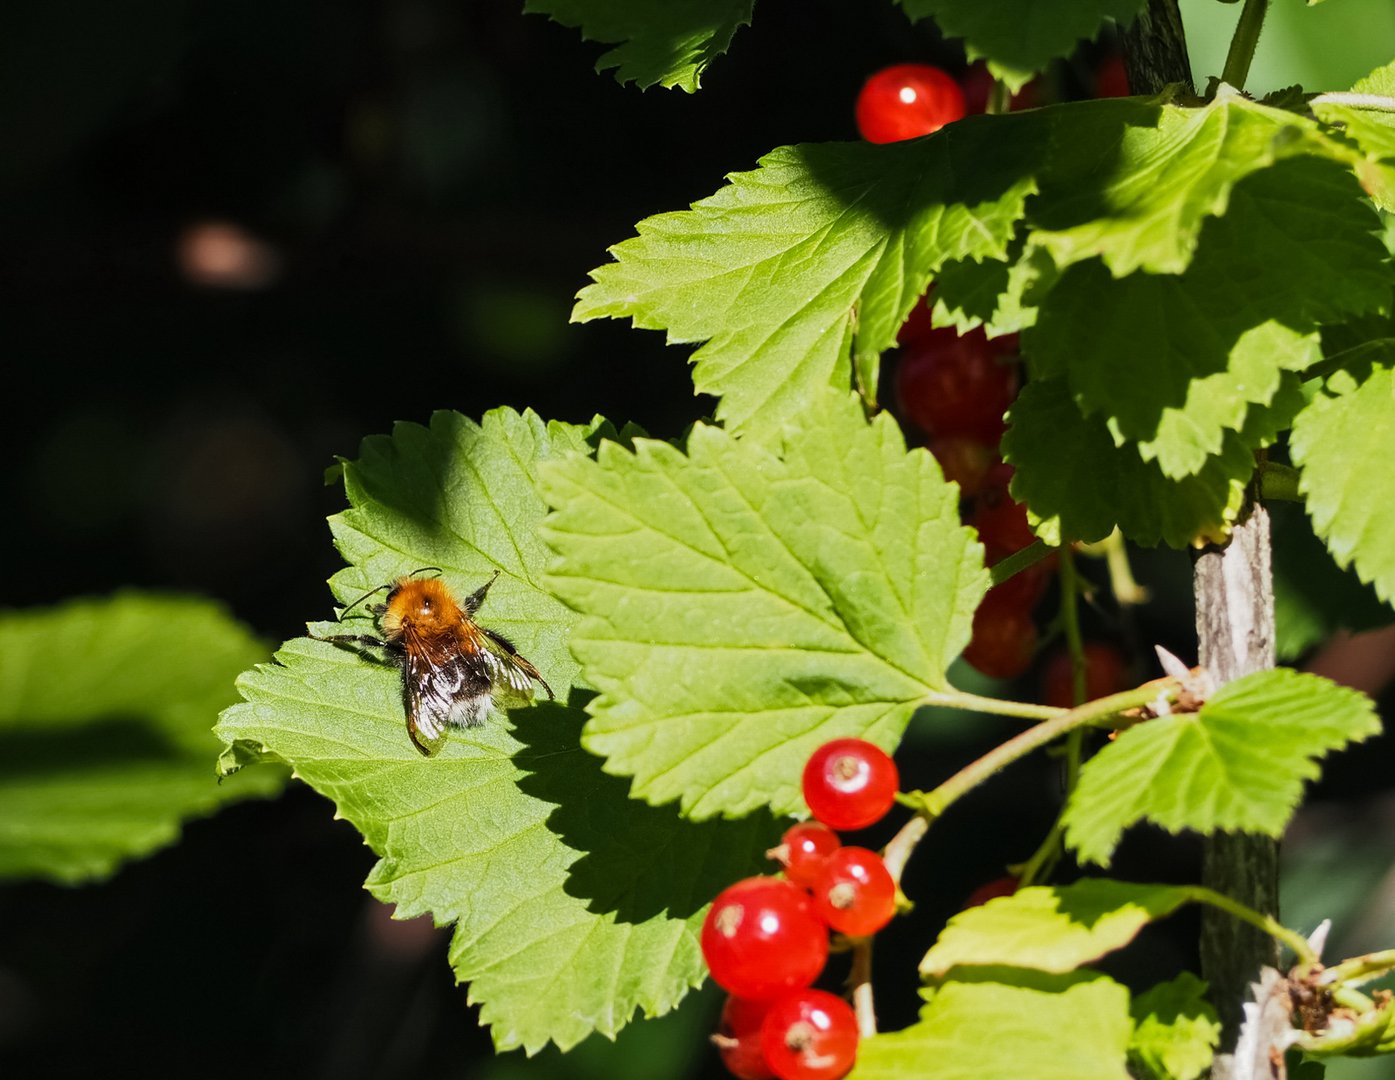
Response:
column 765, row 939
column 955, row 389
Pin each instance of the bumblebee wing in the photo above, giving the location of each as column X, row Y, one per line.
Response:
column 514, row 675
column 444, row 688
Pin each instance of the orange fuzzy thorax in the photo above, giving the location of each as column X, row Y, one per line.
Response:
column 422, row 607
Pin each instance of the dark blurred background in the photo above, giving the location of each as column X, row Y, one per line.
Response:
column 236, row 239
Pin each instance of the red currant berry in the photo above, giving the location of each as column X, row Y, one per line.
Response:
column 953, row 385
column 804, row 849
column 907, row 100
column 991, row 890
column 809, row 1035
column 964, row 461
column 762, row 938
column 917, row 326
column 738, row 1038
column 849, row 783
column 1111, row 80
column 1004, row 637
column 1001, row 524
column 1104, row 675
column 854, row 892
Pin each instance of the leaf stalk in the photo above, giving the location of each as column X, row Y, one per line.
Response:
column 934, row 803
column 1243, row 43
column 1260, row 921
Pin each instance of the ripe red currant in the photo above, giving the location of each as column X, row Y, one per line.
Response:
column 809, row 1035
column 1001, row 523
column 990, row 890
column 1104, row 675
column 917, row 327
column 849, row 783
column 949, row 384
column 1004, row 637
column 762, row 938
column 738, row 1038
column 964, row 461
column 1111, row 80
column 804, row 849
column 907, row 100
column 854, row 892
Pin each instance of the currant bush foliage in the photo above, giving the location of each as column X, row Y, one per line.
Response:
column 1191, row 280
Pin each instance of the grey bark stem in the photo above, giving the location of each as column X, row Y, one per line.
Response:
column 1233, row 586
column 1155, row 49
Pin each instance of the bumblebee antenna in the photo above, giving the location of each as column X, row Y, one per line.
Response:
column 360, row 600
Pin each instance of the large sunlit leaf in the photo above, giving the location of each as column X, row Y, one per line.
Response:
column 574, row 906
column 105, row 711
column 742, row 605
column 820, row 251
column 1020, row 37
column 663, row 42
column 990, row 1024
column 1238, row 764
column 1344, row 442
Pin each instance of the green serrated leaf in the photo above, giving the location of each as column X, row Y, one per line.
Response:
column 992, row 293
column 574, row 905
column 663, row 42
column 987, row 1025
column 1177, row 361
column 1069, row 469
column 1020, row 37
column 741, row 607
column 1237, row 765
column 1342, row 443
column 822, row 250
column 1054, row 928
column 105, row 710
column 1175, row 1031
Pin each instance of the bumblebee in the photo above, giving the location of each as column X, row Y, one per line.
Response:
column 453, row 669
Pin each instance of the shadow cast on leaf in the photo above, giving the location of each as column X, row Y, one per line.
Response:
column 639, row 861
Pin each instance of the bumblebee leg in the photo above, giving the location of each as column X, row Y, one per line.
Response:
column 476, row 598
column 352, row 639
